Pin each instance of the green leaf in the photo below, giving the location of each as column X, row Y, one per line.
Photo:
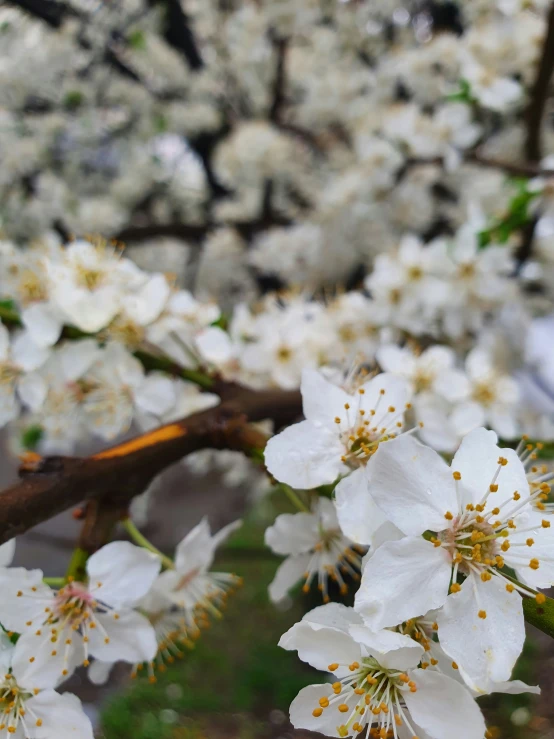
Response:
column 137, row 40
column 160, row 123
column 8, row 313
column 222, row 322
column 517, row 216
column 31, row 437
column 463, row 95
column 540, row 615
column 73, row 99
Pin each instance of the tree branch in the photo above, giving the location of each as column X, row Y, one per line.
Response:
column 114, row 476
column 280, row 46
column 539, row 94
column 180, row 36
column 50, row 11
column 511, row 168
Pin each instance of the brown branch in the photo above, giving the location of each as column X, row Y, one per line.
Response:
column 281, row 46
column 539, row 94
column 101, row 517
column 474, row 157
column 192, row 234
column 511, row 168
column 114, row 476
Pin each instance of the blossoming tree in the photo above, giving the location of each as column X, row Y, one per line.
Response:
column 362, row 322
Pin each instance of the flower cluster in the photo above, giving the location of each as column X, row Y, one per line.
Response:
column 124, row 610
column 438, row 613
column 109, row 308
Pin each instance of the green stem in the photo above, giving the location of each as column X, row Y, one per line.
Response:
column 142, row 541
column 294, row 498
column 77, row 569
column 54, row 582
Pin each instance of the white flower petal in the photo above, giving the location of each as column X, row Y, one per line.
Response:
column 43, row 323
column 385, row 390
column 402, row 579
column 412, row 485
column 214, row 345
column 320, row 644
column 32, row 390
column 444, row 708
column 7, row 550
column 145, row 305
column 502, row 420
column 39, row 663
column 359, row 516
column 99, row 672
column 477, row 462
column 293, row 533
column 62, row 716
column 321, row 647
column 288, row 573
column 542, row 549
column 322, row 401
column 466, row 417
column 484, row 649
column 28, row 355
column 196, row 551
column 305, row 456
column 301, row 710
column 77, row 357
column 155, row 395
column 333, row 615
column 121, row 573
column 453, row 385
column 392, row 650
column 395, row 359
column 225, row 532
column 131, row 638
column 16, row 611
column 512, row 687
column 4, row 342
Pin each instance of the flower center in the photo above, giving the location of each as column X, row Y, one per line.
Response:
column 347, row 333
column 73, row 606
column 480, row 538
column 362, row 429
column 89, row 278
column 8, row 373
column 466, row 271
column 476, row 543
column 422, row 381
column 284, row 354
column 31, row 287
column 333, row 558
column 483, row 394
column 371, row 696
column 415, row 273
column 12, row 706
column 126, row 331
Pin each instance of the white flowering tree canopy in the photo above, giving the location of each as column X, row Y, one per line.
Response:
column 305, row 247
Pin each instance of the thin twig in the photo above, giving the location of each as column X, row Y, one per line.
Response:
column 539, row 94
